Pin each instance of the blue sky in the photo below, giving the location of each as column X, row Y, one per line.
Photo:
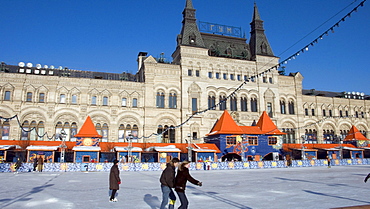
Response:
column 107, row 35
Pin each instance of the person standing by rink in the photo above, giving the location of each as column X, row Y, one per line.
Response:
column 40, row 164
column 114, row 181
column 167, row 183
column 34, row 164
column 182, row 177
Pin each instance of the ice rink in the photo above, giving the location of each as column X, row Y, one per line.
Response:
column 308, row 187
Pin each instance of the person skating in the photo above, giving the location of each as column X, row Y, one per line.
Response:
column 40, row 164
column 167, row 183
column 114, row 181
column 182, row 177
column 18, row 164
column 34, row 164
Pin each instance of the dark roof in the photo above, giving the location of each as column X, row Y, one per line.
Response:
column 349, row 95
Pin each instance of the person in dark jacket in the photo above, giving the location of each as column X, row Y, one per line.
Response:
column 114, row 181
column 167, row 183
column 34, row 164
column 182, row 177
column 18, row 164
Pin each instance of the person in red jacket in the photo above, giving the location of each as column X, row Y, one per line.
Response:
column 182, row 177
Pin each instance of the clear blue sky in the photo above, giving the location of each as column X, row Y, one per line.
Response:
column 107, row 35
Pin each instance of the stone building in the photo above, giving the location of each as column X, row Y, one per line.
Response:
column 174, row 101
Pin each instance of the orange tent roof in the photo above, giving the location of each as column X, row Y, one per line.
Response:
column 226, row 125
column 267, row 126
column 88, row 129
column 354, row 134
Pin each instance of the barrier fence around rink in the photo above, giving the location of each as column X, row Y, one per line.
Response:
column 105, row 167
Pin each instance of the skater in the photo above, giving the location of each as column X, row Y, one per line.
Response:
column 34, row 164
column 40, row 164
column 18, row 164
column 367, row 177
column 182, row 177
column 167, row 183
column 114, row 181
column 328, row 158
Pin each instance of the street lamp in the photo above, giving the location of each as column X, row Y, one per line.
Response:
column 189, row 148
column 303, row 152
column 62, row 136
column 341, row 147
column 242, row 147
column 129, row 148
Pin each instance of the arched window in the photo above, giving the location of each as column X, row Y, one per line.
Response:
column 67, row 130
column 254, row 105
column 7, row 96
column 104, row 133
column 25, row 130
column 124, row 102
column 223, row 103
column 93, row 100
column 121, row 133
column 40, row 131
column 291, row 108
column 134, row 102
column 243, row 104
column 233, row 104
column 5, row 130
column 211, row 102
column 29, row 97
column 62, row 98
column 172, row 101
column 324, row 113
column 105, row 101
column 282, row 107
column 98, row 128
column 160, row 100
column 172, row 134
column 74, row 99
column 33, row 133
column 42, row 97
column 73, row 131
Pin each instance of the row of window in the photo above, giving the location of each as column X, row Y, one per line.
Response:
column 251, row 140
column 172, row 100
column 231, row 76
column 330, row 113
column 233, row 103
column 74, row 99
column 35, row 131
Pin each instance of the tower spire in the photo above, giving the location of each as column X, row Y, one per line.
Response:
column 190, row 34
column 258, row 42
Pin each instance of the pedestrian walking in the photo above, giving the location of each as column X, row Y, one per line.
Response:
column 114, row 181
column 168, row 182
column 182, row 177
column 18, row 164
column 40, row 164
column 34, row 164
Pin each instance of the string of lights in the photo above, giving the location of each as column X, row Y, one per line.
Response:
column 276, row 67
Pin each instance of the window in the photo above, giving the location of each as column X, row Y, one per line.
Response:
column 93, row 100
column 134, row 102
column 362, row 115
column 243, row 104
column 291, row 107
column 245, row 78
column 323, row 113
column 282, row 107
column 225, row 76
column 305, row 111
column 313, row 112
column 74, row 99
column 190, row 72
column 330, row 113
column 209, row 74
column 42, row 97
column 29, row 97
column 172, row 101
column 105, row 101
column 270, row 80
column 197, row 73
column 254, row 105
column 7, row 96
column 356, row 113
column 218, row 75
column 231, row 140
column 232, row 77
column 105, row 131
column 62, row 98
column 160, row 100
column 253, row 140
column 269, row 109
column 346, row 113
column 233, row 104
column 264, row 79
column 124, row 102
column 222, row 103
column 194, row 105
column 239, row 77
column 211, row 102
column 340, row 113
column 272, row 140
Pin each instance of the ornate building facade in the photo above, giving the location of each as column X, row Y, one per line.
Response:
column 155, row 104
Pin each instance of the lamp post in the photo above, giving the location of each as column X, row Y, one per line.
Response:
column 341, row 147
column 303, row 152
column 189, row 148
column 129, row 148
column 242, row 147
column 63, row 145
